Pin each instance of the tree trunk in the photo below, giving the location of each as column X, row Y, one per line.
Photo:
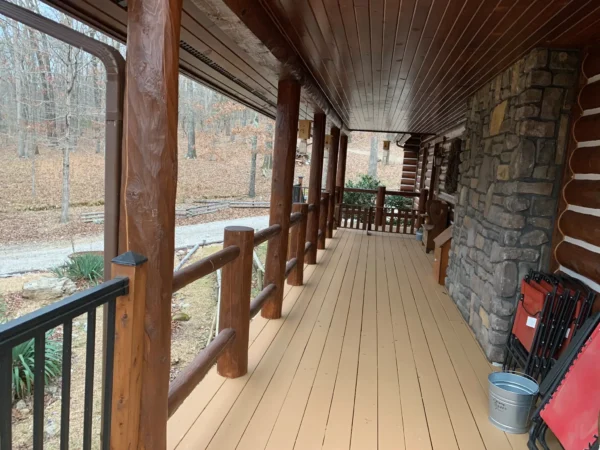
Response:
column 98, row 134
column 373, row 156
column 64, row 215
column 45, row 70
column 191, row 121
column 252, row 188
column 71, row 69
column 21, row 119
column 33, row 190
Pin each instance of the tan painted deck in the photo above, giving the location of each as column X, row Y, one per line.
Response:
column 371, row 353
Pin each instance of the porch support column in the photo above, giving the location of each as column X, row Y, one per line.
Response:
column 341, row 169
column 149, row 183
column 314, row 188
column 284, row 157
column 331, row 173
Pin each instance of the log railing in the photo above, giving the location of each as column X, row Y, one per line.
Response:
column 229, row 349
column 188, row 379
column 392, row 220
column 204, row 267
column 379, row 195
column 266, row 233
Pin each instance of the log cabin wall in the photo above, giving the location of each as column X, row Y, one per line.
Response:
column 577, row 232
column 509, row 184
column 444, row 141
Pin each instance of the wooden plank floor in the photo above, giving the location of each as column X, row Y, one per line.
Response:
column 371, row 354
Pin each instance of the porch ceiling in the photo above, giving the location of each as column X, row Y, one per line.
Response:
column 387, row 65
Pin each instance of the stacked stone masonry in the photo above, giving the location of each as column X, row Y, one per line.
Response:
column 514, row 147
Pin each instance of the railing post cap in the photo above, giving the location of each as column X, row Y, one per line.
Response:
column 239, row 229
column 129, row 259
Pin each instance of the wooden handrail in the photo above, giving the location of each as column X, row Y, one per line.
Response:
column 346, row 205
column 193, row 374
column 402, row 193
column 360, row 191
column 307, row 247
column 257, row 303
column 295, row 219
column 290, row 266
column 311, row 207
column 374, row 192
column 204, row 267
column 266, row 233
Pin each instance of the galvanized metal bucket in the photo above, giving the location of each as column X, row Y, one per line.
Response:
column 512, row 398
column 419, row 235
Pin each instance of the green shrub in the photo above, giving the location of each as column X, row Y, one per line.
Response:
column 395, row 201
column 23, row 365
column 87, row 267
column 360, row 198
column 364, row 199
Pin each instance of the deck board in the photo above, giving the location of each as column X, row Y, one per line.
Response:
column 308, row 431
column 371, row 354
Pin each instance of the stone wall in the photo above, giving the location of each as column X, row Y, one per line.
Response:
column 510, row 168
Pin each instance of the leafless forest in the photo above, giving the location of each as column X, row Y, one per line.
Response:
column 52, row 103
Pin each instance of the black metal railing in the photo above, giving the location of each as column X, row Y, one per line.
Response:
column 36, row 326
column 299, row 194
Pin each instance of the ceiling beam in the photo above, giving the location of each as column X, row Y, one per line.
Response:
column 259, row 21
column 393, row 132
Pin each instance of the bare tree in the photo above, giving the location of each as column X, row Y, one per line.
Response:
column 373, row 155
column 72, row 69
column 191, row 121
column 254, row 139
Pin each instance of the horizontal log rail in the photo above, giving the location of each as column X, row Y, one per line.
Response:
column 204, row 267
column 290, row 266
column 374, row 192
column 402, row 193
column 295, row 219
column 225, row 350
column 307, row 247
column 266, row 233
column 193, row 374
column 257, row 303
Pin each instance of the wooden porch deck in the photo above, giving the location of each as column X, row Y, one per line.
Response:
column 370, row 353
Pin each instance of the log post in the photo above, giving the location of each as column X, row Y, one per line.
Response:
column 149, row 184
column 129, row 352
column 331, row 174
column 314, row 187
column 379, row 203
column 235, row 301
column 297, row 244
column 282, row 180
column 341, row 169
column 323, row 221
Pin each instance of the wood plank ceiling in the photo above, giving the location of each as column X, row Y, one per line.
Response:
column 386, row 65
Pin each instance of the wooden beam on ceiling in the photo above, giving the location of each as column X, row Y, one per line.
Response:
column 258, row 20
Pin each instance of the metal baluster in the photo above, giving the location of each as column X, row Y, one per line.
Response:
column 89, row 380
column 38, row 390
column 6, row 393
column 65, row 406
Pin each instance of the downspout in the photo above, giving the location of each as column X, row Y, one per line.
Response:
column 114, row 64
